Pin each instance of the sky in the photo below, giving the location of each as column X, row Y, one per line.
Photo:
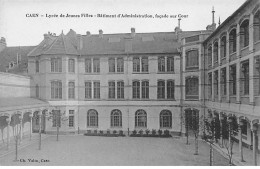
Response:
column 21, row 29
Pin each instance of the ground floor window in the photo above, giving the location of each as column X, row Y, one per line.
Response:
column 116, row 118
column 56, row 118
column 165, row 119
column 92, row 118
column 71, row 118
column 140, row 118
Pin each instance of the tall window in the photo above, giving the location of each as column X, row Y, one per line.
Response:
column 244, row 34
column 210, row 85
column 223, row 47
column 161, row 90
column 165, row 64
column 37, row 91
column 136, row 64
column 96, row 65
column 215, row 52
column 165, row 119
column 116, row 118
column 210, row 55
column 120, row 90
column 257, row 26
column 192, row 88
column 112, row 64
column 145, row 89
column 192, row 59
column 111, row 90
column 224, row 81
column 96, row 90
column 88, row 67
column 233, row 80
column 140, row 118
column 71, row 65
column 216, row 79
column 144, row 64
column 56, row 90
column 170, row 89
column 37, row 66
column 71, row 118
column 161, row 64
column 245, row 80
column 120, row 65
column 71, row 90
column 170, row 64
column 56, row 65
column 136, row 89
column 92, row 118
column 88, row 90
column 232, row 41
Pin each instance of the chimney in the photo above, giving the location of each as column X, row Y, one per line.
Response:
column 132, row 32
column 213, row 17
column 100, row 33
column 2, row 44
column 88, row 33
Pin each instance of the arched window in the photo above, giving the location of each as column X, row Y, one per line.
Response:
column 215, row 52
column 92, row 118
column 244, row 33
column 232, row 41
column 210, row 55
column 116, row 118
column 140, row 118
column 223, row 46
column 192, row 59
column 257, row 26
column 165, row 119
column 192, row 88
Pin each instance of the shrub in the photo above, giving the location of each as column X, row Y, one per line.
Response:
column 101, row 131
column 114, row 131
column 160, row 132
column 140, row 132
column 88, row 131
column 166, row 132
column 108, row 131
column 153, row 132
column 134, row 132
column 147, row 131
column 121, row 133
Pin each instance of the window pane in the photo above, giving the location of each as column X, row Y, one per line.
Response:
column 97, row 90
column 111, row 90
column 136, row 64
column 88, row 90
column 136, row 90
column 170, row 89
column 120, row 90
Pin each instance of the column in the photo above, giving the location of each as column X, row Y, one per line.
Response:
column 251, row 81
column 251, row 33
column 21, row 127
column 238, row 40
column 40, row 127
column 238, row 82
column 240, row 124
column 8, row 120
column 31, row 116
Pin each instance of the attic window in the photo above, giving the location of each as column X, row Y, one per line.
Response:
column 113, row 40
column 148, row 38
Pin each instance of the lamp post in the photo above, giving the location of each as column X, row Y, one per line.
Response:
column 229, row 133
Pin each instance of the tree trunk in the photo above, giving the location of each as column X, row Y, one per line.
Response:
column 196, row 145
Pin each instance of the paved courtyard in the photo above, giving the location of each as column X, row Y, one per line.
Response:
column 126, row 151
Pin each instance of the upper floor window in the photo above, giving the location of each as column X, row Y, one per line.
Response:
column 232, row 41
column 140, row 64
column 210, row 55
column 120, row 89
column 37, row 66
column 245, row 77
column 209, row 85
column 116, row 65
column 165, row 64
column 96, row 65
column 223, row 50
column 216, row 79
column 192, row 59
column 145, row 89
column 88, row 90
column 192, row 88
column 233, row 78
column 56, row 65
column 215, row 52
column 257, row 26
column 71, row 65
column 223, row 81
column 111, row 90
column 244, row 34
column 136, row 64
column 56, row 90
column 71, row 90
column 161, row 89
column 144, row 64
column 120, row 65
column 136, row 89
column 112, row 64
column 88, row 66
column 170, row 89
column 97, row 90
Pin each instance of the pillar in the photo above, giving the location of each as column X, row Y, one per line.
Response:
column 251, row 32
column 21, row 127
column 40, row 127
column 31, row 116
column 8, row 120
column 240, row 124
column 251, row 81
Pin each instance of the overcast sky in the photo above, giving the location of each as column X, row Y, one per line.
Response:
column 20, row 30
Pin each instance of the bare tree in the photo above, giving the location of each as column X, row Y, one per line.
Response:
column 229, row 147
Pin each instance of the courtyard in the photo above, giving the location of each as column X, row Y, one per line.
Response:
column 109, row 151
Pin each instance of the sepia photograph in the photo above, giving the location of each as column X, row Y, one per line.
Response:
column 129, row 83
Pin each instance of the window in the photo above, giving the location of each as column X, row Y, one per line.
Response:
column 97, row 90
column 88, row 67
column 140, row 118
column 165, row 119
column 215, row 52
column 165, row 64
column 88, row 90
column 37, row 91
column 145, row 89
column 223, row 81
column 71, row 118
column 136, row 90
column 192, row 59
column 170, row 64
column 210, row 55
column 116, row 118
column 233, row 80
column 210, row 85
column 192, row 88
column 71, row 65
column 144, row 64
column 257, row 26
column 111, row 90
column 136, row 64
column 223, row 47
column 216, row 79
column 92, row 118
column 71, row 90
column 244, row 128
column 96, row 65
column 120, row 90
column 37, row 66
column 245, row 78
column 120, row 65
column 161, row 90
column 56, row 90
column 232, row 41
column 170, row 89
column 112, row 64
column 56, row 118
column 56, row 65
column 244, row 34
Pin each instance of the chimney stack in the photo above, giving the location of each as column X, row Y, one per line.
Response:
column 213, row 17
column 132, row 32
column 100, row 33
column 88, row 33
column 2, row 43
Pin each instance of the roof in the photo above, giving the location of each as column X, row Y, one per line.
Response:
column 9, row 54
column 20, row 103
